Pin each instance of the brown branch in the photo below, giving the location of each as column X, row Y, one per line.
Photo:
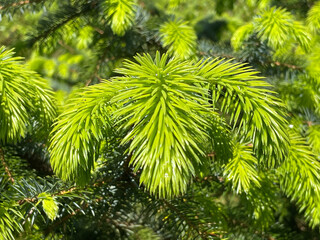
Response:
column 126, row 163
column 286, row 65
column 6, row 168
column 63, row 192
column 100, row 31
column 29, row 200
column 21, row 3
column 65, row 218
column 28, row 215
column 217, row 179
column 60, row 193
column 67, row 47
column 97, row 68
column 277, row 63
column 218, row 55
column 35, row 199
column 98, row 64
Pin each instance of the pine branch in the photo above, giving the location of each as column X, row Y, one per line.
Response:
column 75, row 212
column 84, row 206
column 286, row 65
column 35, row 199
column 67, row 47
column 57, row 20
column 182, row 216
column 277, row 63
column 96, row 69
column 5, row 165
column 21, row 3
column 28, row 215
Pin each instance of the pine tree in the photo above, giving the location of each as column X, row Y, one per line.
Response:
column 168, row 133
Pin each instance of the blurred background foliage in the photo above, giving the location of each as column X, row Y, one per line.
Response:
column 79, row 43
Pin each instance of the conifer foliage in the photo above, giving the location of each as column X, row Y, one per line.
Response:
column 155, row 128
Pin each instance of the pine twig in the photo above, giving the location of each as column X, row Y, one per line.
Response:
column 18, row 4
column 96, row 70
column 28, row 215
column 68, row 216
column 76, row 12
column 287, row 65
column 6, row 168
column 277, row 63
column 35, row 199
column 190, row 224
